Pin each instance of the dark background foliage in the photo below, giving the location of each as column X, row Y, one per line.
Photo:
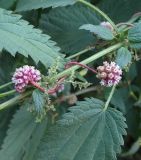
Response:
column 62, row 25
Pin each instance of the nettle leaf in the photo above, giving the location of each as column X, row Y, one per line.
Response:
column 38, row 99
column 123, row 57
column 100, row 31
column 134, row 36
column 16, row 35
column 7, row 3
column 62, row 24
column 120, row 10
column 21, row 136
column 24, row 5
column 135, row 45
column 85, row 133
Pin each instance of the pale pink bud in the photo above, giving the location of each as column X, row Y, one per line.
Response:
column 107, row 25
column 111, row 75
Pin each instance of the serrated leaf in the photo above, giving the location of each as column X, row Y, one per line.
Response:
column 123, row 57
column 85, row 133
column 24, row 5
column 7, row 3
column 100, row 31
column 16, row 35
column 134, row 34
column 62, row 24
column 21, row 132
column 38, row 99
column 135, row 45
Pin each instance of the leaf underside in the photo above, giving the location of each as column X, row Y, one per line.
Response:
column 24, row 5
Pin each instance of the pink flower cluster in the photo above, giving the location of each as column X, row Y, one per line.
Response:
column 24, row 75
column 107, row 25
column 109, row 73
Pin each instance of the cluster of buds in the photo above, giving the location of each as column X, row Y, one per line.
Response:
column 109, row 73
column 107, row 25
column 24, row 76
column 28, row 75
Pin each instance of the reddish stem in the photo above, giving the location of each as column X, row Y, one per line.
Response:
column 36, row 85
column 82, row 65
column 50, row 91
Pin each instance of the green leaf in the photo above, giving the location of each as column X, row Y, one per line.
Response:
column 100, row 31
column 38, row 99
column 20, row 135
column 123, row 57
column 16, row 35
column 7, row 3
column 134, row 34
column 85, row 133
column 62, row 24
column 120, row 10
column 135, row 45
column 24, row 5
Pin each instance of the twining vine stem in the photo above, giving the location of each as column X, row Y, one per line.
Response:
column 90, row 59
column 7, row 93
column 81, row 52
column 109, row 98
column 69, row 71
column 5, row 85
column 14, row 100
column 100, row 12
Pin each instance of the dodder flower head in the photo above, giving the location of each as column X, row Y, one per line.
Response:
column 107, row 25
column 109, row 73
column 24, row 75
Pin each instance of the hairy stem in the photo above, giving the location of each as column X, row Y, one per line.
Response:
column 81, row 65
column 13, row 101
column 7, row 93
column 5, row 85
column 100, row 12
column 81, row 52
column 89, row 60
column 109, row 98
column 36, row 85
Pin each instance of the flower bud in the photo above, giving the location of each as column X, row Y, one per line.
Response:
column 110, row 74
column 24, row 75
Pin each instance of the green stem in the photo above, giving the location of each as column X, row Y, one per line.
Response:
column 81, row 52
column 100, row 12
column 13, row 101
column 89, row 60
column 66, row 72
column 5, row 85
column 109, row 98
column 7, row 93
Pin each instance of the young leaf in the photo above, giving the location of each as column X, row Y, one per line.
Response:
column 24, row 5
column 21, row 132
column 17, row 35
column 62, row 24
column 100, row 31
column 85, row 133
column 123, row 57
column 38, row 99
